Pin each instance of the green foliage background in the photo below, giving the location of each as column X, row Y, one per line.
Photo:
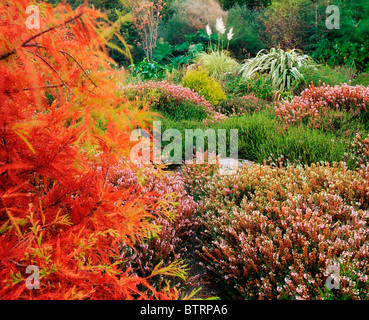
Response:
column 262, row 24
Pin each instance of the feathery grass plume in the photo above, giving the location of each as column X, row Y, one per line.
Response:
column 230, row 34
column 219, row 26
column 208, row 30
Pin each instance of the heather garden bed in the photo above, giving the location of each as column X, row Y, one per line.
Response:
column 94, row 223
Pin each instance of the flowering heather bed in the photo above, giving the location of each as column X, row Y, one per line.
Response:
column 315, row 101
column 271, row 233
column 358, row 151
column 166, row 248
column 177, row 93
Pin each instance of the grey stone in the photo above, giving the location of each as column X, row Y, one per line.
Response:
column 230, row 166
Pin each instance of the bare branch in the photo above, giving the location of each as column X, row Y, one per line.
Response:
column 51, row 67
column 64, row 53
column 53, row 28
column 7, row 54
column 29, row 89
column 84, row 71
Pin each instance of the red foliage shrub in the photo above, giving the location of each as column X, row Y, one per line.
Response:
column 58, row 210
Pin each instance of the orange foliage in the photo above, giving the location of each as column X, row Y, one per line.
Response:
column 58, row 209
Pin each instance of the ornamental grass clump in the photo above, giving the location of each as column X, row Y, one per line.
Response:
column 218, row 63
column 282, row 67
column 315, row 102
column 274, row 233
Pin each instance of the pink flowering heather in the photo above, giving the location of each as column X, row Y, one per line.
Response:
column 176, row 92
column 271, row 233
column 169, row 245
column 314, row 101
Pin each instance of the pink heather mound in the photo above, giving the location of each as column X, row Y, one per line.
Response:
column 176, row 92
column 314, row 100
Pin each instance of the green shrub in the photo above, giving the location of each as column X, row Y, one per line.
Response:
column 260, row 135
column 286, row 23
column 180, row 110
column 320, row 74
column 240, row 105
column 271, row 233
column 259, row 85
column 200, row 81
column 247, row 28
column 146, row 70
column 352, row 53
column 362, row 79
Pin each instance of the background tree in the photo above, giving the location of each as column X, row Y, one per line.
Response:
column 347, row 45
column 251, row 4
column 146, row 18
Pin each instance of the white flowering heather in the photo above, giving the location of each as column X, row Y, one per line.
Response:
column 314, row 100
column 271, row 233
column 219, row 26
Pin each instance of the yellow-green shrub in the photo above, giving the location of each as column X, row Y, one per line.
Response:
column 200, row 81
